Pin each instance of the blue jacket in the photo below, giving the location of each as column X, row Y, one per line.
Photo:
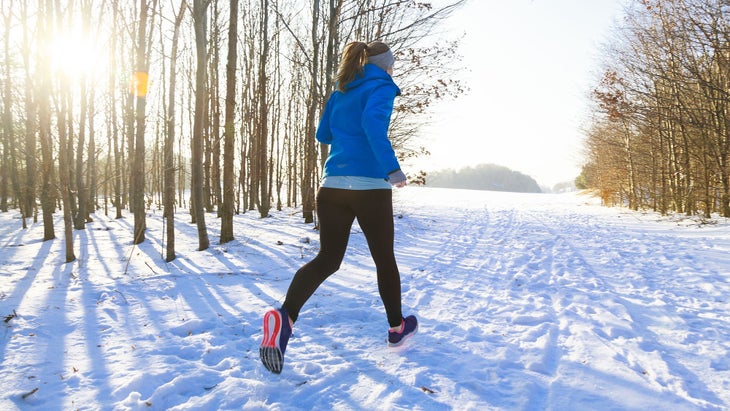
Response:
column 355, row 124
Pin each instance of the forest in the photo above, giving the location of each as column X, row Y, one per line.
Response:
column 208, row 105
column 484, row 177
column 659, row 136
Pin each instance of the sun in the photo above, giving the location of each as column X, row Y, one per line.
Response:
column 75, row 54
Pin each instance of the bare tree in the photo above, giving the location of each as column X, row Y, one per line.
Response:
column 285, row 54
column 226, row 209
column 6, row 133
column 169, row 154
column 313, row 107
column 114, row 151
column 137, row 172
column 43, row 99
column 212, row 135
column 64, row 123
column 200, row 17
column 63, row 117
column 668, row 69
column 262, row 121
column 31, row 123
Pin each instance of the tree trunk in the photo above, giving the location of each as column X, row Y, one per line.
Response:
column 169, row 154
column 31, row 113
column 64, row 172
column 226, row 209
column 199, row 18
column 91, row 176
column 310, row 149
column 112, row 120
column 43, row 99
column 7, row 120
column 64, row 123
column 264, row 198
column 214, row 118
column 139, row 169
column 80, row 217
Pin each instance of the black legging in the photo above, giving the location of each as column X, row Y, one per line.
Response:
column 337, row 209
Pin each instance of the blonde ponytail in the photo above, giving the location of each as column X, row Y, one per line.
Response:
column 354, row 58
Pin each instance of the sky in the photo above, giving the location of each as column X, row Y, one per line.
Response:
column 529, row 66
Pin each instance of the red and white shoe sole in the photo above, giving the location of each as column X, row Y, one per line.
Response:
column 269, row 351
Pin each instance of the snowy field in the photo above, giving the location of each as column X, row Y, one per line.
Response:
column 526, row 302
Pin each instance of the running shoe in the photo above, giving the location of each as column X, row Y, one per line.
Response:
column 277, row 331
column 409, row 329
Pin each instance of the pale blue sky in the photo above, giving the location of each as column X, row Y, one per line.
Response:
column 531, row 65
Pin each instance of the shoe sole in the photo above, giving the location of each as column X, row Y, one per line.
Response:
column 403, row 340
column 269, row 351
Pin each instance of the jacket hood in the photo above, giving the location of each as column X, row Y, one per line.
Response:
column 371, row 72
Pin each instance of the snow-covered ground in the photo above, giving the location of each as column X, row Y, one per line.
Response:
column 526, row 302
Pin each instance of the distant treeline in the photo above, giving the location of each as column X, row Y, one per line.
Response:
column 484, row 177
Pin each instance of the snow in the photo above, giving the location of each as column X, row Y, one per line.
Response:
column 525, row 302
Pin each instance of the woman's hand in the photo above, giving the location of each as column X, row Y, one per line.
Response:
column 397, row 178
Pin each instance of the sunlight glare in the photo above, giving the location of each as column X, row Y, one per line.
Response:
column 74, row 54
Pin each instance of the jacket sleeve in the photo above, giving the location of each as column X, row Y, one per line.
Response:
column 324, row 132
column 376, row 121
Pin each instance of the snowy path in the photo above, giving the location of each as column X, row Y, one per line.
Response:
column 526, row 302
column 578, row 309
